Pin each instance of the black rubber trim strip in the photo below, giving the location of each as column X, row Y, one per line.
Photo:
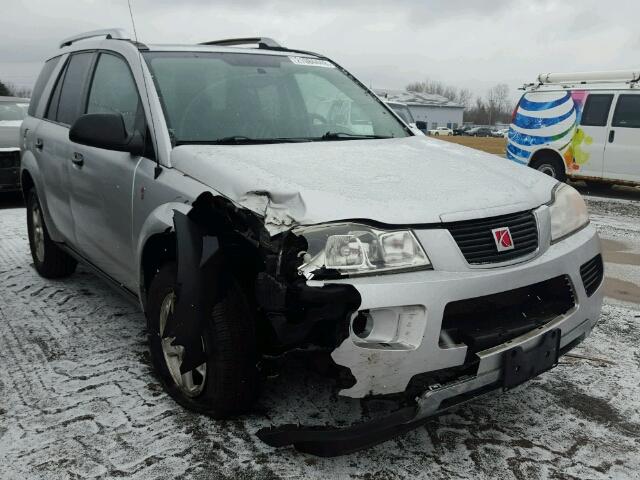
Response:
column 331, row 442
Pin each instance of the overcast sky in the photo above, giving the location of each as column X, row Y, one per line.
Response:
column 387, row 44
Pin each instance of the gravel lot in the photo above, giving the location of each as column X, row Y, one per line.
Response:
column 78, row 398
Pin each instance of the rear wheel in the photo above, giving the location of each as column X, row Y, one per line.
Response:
column 551, row 165
column 49, row 260
column 226, row 384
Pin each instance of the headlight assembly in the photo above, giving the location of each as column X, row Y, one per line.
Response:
column 568, row 212
column 347, row 249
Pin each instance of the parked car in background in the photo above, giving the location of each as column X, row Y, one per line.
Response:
column 441, row 131
column 403, row 111
column 461, row 130
column 500, row 132
column 479, row 132
column 582, row 126
column 211, row 184
column 13, row 110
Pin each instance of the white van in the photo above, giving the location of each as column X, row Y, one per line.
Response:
column 583, row 126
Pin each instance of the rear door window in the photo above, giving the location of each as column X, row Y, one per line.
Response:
column 66, row 103
column 596, row 110
column 113, row 90
column 627, row 113
column 43, row 78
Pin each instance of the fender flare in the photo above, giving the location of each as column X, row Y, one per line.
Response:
column 29, row 165
column 159, row 221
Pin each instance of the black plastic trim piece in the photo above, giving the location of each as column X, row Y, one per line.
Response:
column 592, row 273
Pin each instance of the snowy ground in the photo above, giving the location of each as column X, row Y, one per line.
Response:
column 78, row 398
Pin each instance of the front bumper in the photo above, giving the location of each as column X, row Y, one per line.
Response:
column 387, row 369
column 382, row 369
column 9, row 169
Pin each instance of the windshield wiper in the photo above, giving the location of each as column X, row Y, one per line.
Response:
column 348, row 136
column 242, row 140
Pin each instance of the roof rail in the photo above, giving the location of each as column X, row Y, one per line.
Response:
column 115, row 33
column 263, row 42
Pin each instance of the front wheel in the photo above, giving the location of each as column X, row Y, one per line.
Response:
column 48, row 259
column 226, row 384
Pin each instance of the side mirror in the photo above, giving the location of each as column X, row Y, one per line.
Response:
column 421, row 125
column 105, row 130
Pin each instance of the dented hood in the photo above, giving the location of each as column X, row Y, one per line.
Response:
column 396, row 181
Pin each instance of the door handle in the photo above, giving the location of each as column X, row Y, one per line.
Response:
column 612, row 136
column 39, row 144
column 78, row 159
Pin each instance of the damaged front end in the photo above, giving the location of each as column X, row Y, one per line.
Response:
column 324, row 288
column 293, row 275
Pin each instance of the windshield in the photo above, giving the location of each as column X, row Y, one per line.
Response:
column 404, row 113
column 237, row 98
column 13, row 111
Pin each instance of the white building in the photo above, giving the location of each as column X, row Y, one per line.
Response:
column 435, row 110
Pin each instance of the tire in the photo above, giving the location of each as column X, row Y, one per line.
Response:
column 436, row 134
column 550, row 165
column 49, row 260
column 228, row 383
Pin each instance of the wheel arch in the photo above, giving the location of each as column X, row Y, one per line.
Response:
column 156, row 244
column 550, row 153
column 26, row 182
column 30, row 177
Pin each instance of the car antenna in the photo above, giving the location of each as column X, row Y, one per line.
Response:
column 158, row 169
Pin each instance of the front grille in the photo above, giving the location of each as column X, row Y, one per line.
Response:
column 477, row 244
column 9, row 159
column 484, row 322
column 592, row 273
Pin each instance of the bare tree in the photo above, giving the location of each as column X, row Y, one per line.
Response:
column 495, row 107
column 461, row 96
column 4, row 89
column 498, row 104
column 464, row 97
column 10, row 90
column 428, row 86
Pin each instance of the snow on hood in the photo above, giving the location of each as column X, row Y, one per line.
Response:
column 397, row 181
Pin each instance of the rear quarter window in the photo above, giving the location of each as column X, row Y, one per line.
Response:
column 66, row 103
column 627, row 113
column 43, row 78
column 596, row 110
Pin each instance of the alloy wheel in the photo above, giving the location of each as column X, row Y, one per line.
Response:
column 190, row 383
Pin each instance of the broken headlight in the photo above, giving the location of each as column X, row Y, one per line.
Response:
column 347, row 249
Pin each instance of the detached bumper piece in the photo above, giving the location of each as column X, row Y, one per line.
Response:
column 333, row 441
column 518, row 366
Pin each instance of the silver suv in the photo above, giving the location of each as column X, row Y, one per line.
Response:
column 259, row 200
